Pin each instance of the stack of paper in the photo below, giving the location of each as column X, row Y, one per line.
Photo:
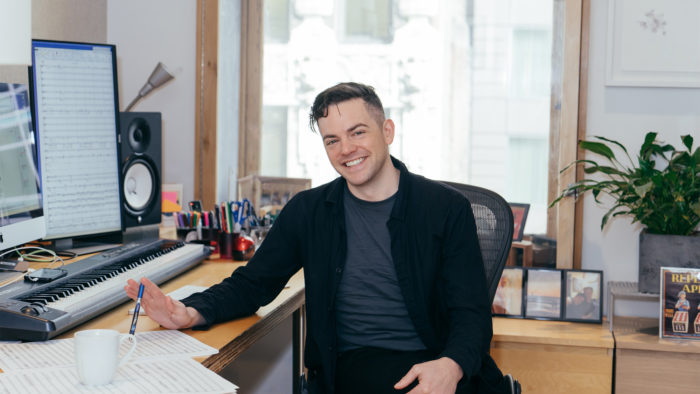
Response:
column 161, row 363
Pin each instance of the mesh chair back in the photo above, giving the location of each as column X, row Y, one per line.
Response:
column 494, row 227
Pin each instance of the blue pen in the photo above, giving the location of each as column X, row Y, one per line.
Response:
column 136, row 311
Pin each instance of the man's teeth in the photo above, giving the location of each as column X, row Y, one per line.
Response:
column 356, row 161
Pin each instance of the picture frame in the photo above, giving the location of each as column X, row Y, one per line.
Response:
column 653, row 43
column 268, row 193
column 543, row 294
column 519, row 218
column 679, row 315
column 583, row 295
column 508, row 300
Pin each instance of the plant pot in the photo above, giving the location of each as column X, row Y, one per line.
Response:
column 657, row 250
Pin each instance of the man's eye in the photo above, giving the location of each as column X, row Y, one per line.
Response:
column 330, row 142
column 358, row 132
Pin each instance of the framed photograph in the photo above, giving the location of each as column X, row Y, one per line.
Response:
column 268, row 193
column 680, row 303
column 583, row 296
column 653, row 43
column 509, row 295
column 543, row 294
column 519, row 218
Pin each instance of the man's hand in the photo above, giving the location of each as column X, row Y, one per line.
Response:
column 169, row 313
column 437, row 376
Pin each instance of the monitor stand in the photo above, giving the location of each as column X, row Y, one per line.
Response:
column 81, row 246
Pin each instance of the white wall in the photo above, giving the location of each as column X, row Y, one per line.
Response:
column 146, row 32
column 626, row 114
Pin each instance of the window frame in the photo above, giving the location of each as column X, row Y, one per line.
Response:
column 567, row 110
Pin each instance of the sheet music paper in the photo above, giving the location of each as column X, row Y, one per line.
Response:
column 60, row 352
column 146, row 376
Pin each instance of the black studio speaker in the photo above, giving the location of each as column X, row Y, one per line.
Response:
column 140, row 167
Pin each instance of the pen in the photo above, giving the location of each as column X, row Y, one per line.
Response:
column 136, row 311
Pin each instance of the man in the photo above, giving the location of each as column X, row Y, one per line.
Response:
column 396, row 298
column 591, row 306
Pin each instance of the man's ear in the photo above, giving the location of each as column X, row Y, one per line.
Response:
column 388, row 131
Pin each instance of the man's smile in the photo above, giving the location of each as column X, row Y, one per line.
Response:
column 354, row 162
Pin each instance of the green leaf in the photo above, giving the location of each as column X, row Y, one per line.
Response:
column 687, row 141
column 642, row 190
column 612, row 142
column 573, row 163
column 648, row 142
column 695, row 207
column 604, row 169
column 599, row 148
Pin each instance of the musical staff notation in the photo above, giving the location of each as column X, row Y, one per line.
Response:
column 76, row 116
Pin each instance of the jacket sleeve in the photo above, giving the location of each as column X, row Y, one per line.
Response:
column 466, row 292
column 261, row 280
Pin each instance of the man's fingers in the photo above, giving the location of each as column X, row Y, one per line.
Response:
column 407, row 379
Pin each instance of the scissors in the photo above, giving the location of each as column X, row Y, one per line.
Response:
column 241, row 211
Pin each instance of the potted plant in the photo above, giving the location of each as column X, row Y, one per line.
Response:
column 661, row 190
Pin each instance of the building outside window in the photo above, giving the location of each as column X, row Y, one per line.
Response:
column 466, row 82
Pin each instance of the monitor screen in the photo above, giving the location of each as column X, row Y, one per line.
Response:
column 76, row 114
column 21, row 216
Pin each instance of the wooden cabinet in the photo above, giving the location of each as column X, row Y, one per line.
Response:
column 646, row 363
column 554, row 356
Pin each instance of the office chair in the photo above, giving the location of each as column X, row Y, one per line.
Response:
column 494, row 228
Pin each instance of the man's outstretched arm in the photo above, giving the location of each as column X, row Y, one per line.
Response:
column 169, row 313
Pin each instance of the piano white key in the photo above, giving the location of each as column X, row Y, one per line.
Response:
column 115, row 286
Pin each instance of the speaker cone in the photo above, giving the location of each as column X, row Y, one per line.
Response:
column 140, row 186
column 139, row 135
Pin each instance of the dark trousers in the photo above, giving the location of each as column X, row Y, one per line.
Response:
column 376, row 371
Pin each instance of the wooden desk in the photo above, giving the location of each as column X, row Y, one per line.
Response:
column 646, row 363
column 231, row 338
column 554, row 356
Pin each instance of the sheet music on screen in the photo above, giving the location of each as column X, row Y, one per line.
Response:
column 75, row 99
column 18, row 176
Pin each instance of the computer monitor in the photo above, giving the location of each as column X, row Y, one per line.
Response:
column 21, row 215
column 76, row 109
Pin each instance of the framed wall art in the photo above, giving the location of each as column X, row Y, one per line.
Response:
column 519, row 218
column 653, row 43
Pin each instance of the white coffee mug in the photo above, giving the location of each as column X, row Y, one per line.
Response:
column 97, row 355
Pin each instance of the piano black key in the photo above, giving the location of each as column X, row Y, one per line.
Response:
column 76, row 285
column 67, row 290
column 35, row 300
column 47, row 297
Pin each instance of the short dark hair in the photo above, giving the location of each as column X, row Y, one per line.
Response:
column 343, row 92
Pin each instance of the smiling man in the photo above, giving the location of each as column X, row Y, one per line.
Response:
column 396, row 297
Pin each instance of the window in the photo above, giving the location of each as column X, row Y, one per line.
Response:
column 367, row 19
column 296, row 82
column 466, row 89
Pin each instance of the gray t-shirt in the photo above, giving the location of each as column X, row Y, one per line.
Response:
column 370, row 309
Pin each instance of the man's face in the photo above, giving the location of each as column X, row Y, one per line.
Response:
column 356, row 145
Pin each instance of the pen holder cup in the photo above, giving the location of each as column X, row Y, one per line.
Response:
column 189, row 234
column 226, row 245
